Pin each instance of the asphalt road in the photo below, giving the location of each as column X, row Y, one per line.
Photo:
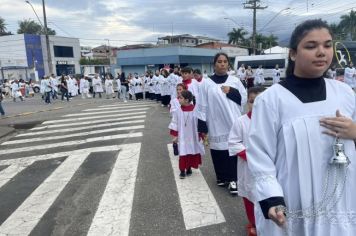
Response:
column 104, row 167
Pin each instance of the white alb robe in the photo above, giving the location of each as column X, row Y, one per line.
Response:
column 187, row 126
column 259, row 76
column 349, row 76
column 237, row 143
column 219, row 112
column 288, row 155
column 276, row 75
column 109, row 90
column 98, row 86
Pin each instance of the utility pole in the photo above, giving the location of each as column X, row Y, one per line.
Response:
column 50, row 67
column 254, row 5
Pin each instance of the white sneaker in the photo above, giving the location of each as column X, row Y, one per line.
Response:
column 233, row 187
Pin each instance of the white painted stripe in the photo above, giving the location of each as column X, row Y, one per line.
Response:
column 99, row 121
column 30, row 159
column 198, row 204
column 30, row 212
column 115, row 107
column 114, row 211
column 92, row 117
column 82, row 134
column 12, row 170
column 96, row 125
column 130, row 104
column 70, row 143
column 112, row 111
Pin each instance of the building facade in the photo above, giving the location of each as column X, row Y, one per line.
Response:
column 24, row 56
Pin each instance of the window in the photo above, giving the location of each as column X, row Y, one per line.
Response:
column 63, row 51
column 187, row 41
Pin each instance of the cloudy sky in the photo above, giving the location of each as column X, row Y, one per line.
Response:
column 126, row 22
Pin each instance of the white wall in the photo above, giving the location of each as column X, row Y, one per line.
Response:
column 13, row 51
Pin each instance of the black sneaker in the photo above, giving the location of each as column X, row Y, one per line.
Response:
column 189, row 172
column 220, row 183
column 233, row 187
column 182, row 175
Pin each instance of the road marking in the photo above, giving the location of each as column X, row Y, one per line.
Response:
column 93, row 117
column 198, row 204
column 12, row 170
column 130, row 104
column 96, row 125
column 70, row 143
column 114, row 211
column 29, row 213
column 84, row 123
column 112, row 111
column 73, row 135
column 25, row 161
column 116, row 107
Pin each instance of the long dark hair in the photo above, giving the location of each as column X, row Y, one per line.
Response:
column 298, row 34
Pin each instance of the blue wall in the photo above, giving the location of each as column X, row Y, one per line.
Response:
column 34, row 53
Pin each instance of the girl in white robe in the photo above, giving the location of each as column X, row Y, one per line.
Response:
column 350, row 76
column 174, row 104
column 220, row 101
column 97, row 86
column 184, row 130
column 259, row 76
column 109, row 90
column 299, row 189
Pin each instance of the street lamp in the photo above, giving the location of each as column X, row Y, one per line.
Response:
column 49, row 58
column 228, row 18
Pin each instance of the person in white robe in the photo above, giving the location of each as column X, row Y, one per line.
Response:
column 54, row 83
column 220, row 102
column 276, row 74
column 183, row 128
column 97, row 86
column 302, row 186
column 174, row 103
column 237, row 147
column 241, row 74
column 259, row 76
column 42, row 87
column 15, row 90
column 137, row 83
column 331, row 73
column 350, row 76
column 84, row 87
column 109, row 90
column 157, row 89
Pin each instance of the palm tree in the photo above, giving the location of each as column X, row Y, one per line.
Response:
column 31, row 27
column 237, row 36
column 337, row 31
column 348, row 24
column 2, row 25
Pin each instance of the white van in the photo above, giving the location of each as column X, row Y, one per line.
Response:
column 268, row 62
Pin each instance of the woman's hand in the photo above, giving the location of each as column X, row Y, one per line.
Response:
column 277, row 215
column 339, row 126
column 225, row 89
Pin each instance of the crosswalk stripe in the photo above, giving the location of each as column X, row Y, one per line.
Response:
column 198, row 204
column 93, row 117
column 70, row 143
column 129, row 104
column 115, row 107
column 106, row 112
column 114, row 212
column 83, row 123
column 29, row 213
column 25, row 161
column 12, row 170
column 73, row 135
column 96, row 125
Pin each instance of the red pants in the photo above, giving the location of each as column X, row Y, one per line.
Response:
column 189, row 161
column 249, row 207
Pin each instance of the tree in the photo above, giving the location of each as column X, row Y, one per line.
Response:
column 264, row 42
column 348, row 24
column 3, row 27
column 337, row 31
column 31, row 27
column 237, row 36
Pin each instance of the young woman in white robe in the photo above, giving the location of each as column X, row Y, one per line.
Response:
column 220, row 102
column 183, row 128
column 174, row 103
column 299, row 190
column 259, row 76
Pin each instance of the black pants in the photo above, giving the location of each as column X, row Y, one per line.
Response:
column 65, row 93
column 139, row 96
column 225, row 166
column 152, row 96
column 166, row 99
column 147, row 95
column 94, row 93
